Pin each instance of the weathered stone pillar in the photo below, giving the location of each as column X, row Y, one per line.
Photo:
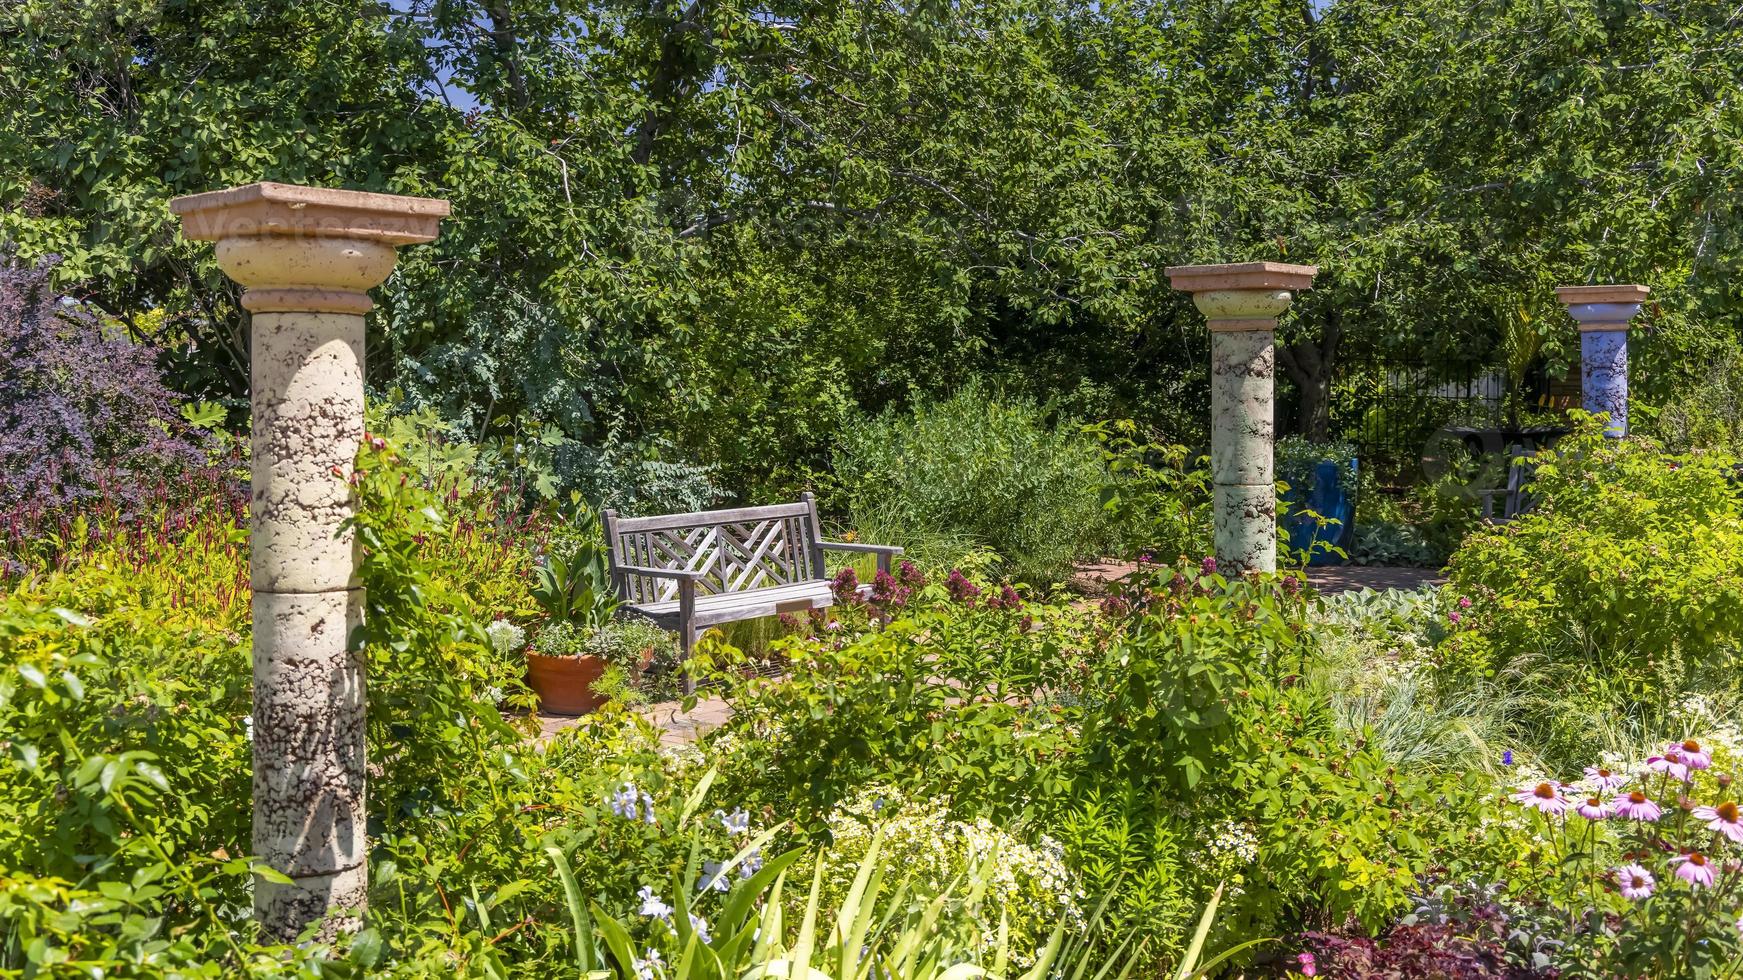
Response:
column 1241, row 304
column 305, row 257
column 1603, row 313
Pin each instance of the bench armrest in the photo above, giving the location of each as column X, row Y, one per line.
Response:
column 884, row 551
column 870, row 549
column 681, row 574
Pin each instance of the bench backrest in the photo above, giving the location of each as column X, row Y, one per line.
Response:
column 736, row 550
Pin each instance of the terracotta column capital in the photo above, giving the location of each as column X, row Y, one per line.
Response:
column 1607, row 307
column 307, row 249
column 1244, row 295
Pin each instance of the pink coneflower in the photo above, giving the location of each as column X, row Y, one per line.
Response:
column 1636, row 882
column 1545, row 797
column 1693, row 755
column 1670, row 762
column 1593, row 809
column 1604, row 779
column 1695, row 869
column 1722, row 819
column 1635, row 806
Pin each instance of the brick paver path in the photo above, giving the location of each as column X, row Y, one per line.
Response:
column 1328, row 579
column 676, row 725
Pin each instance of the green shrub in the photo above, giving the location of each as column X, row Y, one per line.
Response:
column 1705, row 414
column 976, row 469
column 1170, row 732
column 1156, row 496
column 1618, row 594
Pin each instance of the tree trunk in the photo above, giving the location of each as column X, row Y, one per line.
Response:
column 1309, row 364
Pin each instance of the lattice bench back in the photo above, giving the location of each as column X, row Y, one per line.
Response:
column 736, row 550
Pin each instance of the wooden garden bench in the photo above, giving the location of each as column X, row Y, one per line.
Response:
column 687, row 572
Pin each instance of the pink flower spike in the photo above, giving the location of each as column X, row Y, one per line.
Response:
column 1636, row 882
column 1722, row 819
column 1695, row 869
column 1545, row 797
column 1693, row 755
column 1635, row 806
column 1670, row 762
column 1605, row 781
column 1593, row 809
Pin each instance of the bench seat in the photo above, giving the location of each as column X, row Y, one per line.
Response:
column 730, row 607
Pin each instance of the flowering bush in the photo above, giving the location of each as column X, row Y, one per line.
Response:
column 1168, row 744
column 1643, row 860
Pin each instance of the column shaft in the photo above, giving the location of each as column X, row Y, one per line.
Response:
column 309, row 754
column 1603, row 312
column 1243, row 378
column 1604, row 376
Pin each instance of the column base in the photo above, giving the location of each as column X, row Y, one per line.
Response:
column 284, row 910
column 1246, row 526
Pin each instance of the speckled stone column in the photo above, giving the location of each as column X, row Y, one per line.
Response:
column 1241, row 304
column 306, row 256
column 1603, row 313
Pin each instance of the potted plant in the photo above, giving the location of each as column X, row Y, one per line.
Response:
column 1320, row 491
column 576, row 669
column 572, row 584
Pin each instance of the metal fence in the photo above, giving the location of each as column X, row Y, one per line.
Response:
column 1397, row 411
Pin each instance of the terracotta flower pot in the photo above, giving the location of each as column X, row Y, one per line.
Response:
column 565, row 684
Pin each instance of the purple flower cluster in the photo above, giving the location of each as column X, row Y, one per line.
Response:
column 845, row 585
column 1007, row 598
column 887, row 592
column 960, row 588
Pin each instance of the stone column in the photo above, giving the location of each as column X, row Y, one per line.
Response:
column 1241, row 304
column 1603, row 313
column 306, row 256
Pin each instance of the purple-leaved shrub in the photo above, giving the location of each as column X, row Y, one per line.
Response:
column 83, row 410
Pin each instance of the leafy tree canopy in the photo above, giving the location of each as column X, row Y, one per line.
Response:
column 734, row 226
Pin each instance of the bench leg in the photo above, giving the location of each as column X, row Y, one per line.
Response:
column 687, row 639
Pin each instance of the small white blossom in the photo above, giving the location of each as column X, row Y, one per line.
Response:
column 631, row 803
column 713, row 876
column 505, row 637
column 653, row 906
column 736, row 822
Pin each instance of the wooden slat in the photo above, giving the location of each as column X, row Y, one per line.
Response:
column 667, row 522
